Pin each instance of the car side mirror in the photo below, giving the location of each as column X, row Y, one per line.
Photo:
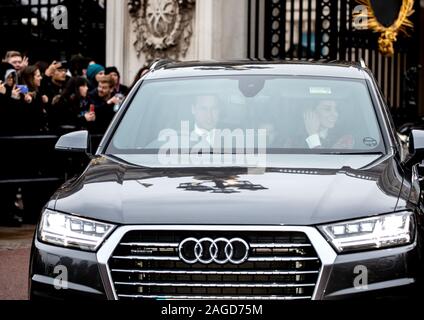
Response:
column 78, row 141
column 416, row 146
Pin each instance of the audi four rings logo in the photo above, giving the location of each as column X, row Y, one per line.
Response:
column 207, row 250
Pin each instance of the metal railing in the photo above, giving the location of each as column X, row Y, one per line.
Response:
column 33, row 168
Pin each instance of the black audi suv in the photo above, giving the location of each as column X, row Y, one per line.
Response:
column 239, row 180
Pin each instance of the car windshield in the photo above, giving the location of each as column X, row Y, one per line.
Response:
column 231, row 114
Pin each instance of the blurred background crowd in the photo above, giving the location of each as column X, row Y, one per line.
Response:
column 40, row 101
column 59, row 96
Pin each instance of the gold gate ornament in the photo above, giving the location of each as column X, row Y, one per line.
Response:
column 388, row 35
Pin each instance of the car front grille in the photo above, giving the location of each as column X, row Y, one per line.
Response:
column 280, row 265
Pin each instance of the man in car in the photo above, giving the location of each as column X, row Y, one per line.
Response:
column 206, row 116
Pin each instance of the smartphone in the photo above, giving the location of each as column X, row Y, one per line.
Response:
column 24, row 89
column 92, row 108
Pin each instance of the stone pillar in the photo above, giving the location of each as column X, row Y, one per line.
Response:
column 221, row 29
column 199, row 30
column 116, row 31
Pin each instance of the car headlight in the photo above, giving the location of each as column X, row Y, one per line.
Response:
column 71, row 231
column 371, row 233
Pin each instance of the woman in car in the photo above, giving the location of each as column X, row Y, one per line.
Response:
column 321, row 129
column 320, row 123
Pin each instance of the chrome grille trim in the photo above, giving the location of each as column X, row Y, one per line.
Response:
column 216, row 285
column 252, row 245
column 325, row 252
column 208, row 272
column 279, row 245
column 282, row 259
column 150, row 244
column 193, row 297
column 147, row 258
column 264, row 259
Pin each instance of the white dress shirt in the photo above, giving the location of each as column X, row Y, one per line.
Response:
column 314, row 140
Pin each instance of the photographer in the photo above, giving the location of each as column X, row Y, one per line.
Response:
column 54, row 81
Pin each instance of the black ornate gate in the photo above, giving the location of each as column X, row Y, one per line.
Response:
column 27, row 26
column 324, row 29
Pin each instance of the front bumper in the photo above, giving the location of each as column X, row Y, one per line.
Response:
column 388, row 273
column 50, row 265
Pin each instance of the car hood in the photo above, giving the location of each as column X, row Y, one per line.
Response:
column 283, row 193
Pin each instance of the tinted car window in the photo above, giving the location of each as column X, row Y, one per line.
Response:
column 283, row 111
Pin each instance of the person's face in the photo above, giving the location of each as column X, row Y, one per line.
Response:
column 327, row 114
column 59, row 75
column 16, row 62
column 37, row 78
column 99, row 75
column 104, row 89
column 206, row 112
column 83, row 90
column 114, row 77
column 10, row 81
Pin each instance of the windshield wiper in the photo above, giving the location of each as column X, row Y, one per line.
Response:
column 351, row 153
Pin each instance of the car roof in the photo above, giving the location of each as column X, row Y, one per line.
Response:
column 339, row 69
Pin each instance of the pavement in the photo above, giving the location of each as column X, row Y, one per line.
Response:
column 15, row 246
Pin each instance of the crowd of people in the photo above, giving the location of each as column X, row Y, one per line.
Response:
column 42, row 98
column 58, row 97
